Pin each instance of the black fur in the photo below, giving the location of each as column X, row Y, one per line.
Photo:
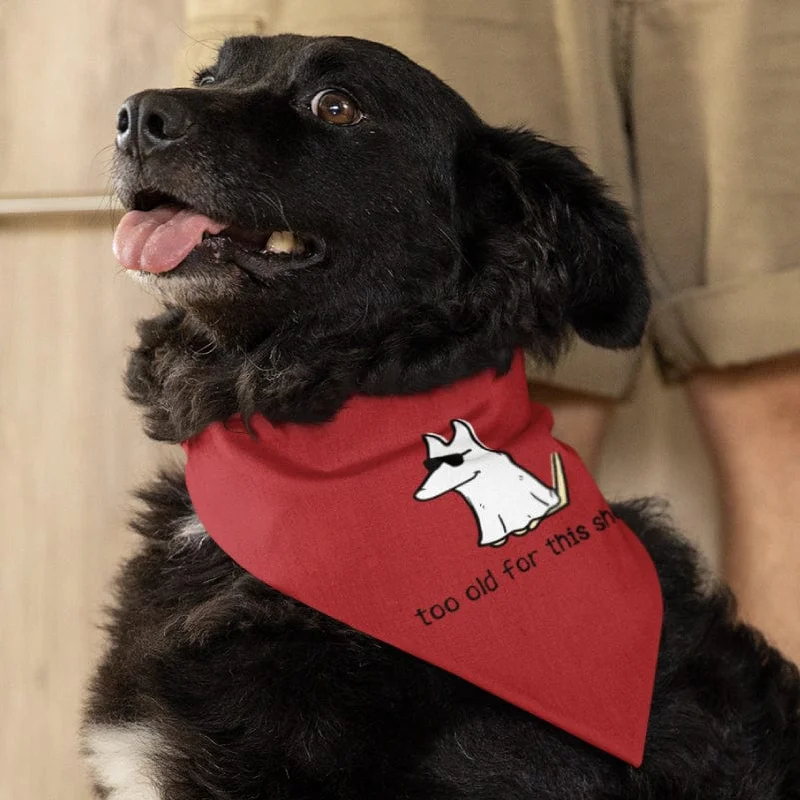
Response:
column 443, row 245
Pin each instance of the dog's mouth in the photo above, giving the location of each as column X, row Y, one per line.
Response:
column 160, row 233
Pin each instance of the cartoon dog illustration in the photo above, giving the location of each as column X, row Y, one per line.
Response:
column 506, row 499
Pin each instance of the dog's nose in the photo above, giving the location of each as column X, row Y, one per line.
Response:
column 151, row 121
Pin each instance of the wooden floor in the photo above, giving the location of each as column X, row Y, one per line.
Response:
column 71, row 446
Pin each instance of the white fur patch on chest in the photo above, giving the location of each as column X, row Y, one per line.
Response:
column 122, row 760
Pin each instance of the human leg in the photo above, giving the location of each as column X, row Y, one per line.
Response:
column 751, row 419
column 716, row 110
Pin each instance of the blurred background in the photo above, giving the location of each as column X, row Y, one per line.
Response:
column 71, row 445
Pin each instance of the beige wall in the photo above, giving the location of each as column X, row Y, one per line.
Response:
column 71, row 448
column 70, row 444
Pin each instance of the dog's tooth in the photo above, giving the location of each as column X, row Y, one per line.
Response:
column 280, row 242
column 284, row 242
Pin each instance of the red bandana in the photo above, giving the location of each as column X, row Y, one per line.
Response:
column 453, row 526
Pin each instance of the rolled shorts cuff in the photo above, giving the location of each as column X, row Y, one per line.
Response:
column 586, row 369
column 728, row 324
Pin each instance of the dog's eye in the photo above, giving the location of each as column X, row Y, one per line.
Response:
column 336, row 108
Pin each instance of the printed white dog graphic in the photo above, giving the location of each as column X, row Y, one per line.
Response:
column 506, row 499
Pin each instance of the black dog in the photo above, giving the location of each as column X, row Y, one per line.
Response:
column 426, row 247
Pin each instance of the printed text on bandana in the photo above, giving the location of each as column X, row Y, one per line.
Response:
column 516, row 568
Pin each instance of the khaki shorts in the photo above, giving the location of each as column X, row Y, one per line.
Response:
column 690, row 109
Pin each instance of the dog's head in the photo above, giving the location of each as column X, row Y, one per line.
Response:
column 321, row 217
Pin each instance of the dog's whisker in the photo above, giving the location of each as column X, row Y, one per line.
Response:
column 207, row 349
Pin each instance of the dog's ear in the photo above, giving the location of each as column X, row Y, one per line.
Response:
column 535, row 209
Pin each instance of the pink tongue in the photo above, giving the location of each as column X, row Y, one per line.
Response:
column 158, row 240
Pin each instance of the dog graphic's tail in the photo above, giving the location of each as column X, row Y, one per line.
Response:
column 559, row 483
column 559, row 486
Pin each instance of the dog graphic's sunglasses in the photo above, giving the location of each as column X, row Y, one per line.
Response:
column 454, row 460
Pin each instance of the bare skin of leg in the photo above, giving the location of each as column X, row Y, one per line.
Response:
column 751, row 419
column 581, row 420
